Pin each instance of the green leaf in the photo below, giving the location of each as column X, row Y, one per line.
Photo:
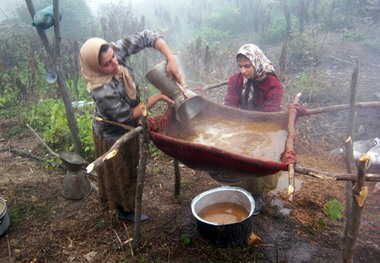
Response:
column 334, row 209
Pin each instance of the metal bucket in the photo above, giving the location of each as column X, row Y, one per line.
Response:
column 224, row 235
column 187, row 103
column 4, row 217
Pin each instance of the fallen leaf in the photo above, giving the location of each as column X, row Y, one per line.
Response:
column 90, row 256
column 253, row 239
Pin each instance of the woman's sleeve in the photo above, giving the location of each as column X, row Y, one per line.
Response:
column 273, row 98
column 112, row 105
column 133, row 44
column 233, row 96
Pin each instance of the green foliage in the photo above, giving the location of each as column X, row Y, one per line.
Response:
column 49, row 116
column 15, row 217
column 373, row 43
column 52, row 164
column 15, row 131
column 224, row 18
column 84, row 121
column 214, row 35
column 186, row 240
column 8, row 96
column 154, row 151
column 333, row 209
column 261, row 255
column 276, row 32
column 302, row 50
column 335, row 15
column 312, row 229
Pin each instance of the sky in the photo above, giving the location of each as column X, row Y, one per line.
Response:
column 7, row 7
column 93, row 4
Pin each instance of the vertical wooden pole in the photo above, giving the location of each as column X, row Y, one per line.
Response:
column 177, row 178
column 349, row 240
column 144, row 152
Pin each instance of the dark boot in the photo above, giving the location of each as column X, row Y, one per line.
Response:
column 129, row 216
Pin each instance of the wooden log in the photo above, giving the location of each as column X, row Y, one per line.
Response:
column 357, row 105
column 289, row 146
column 350, row 161
column 209, row 87
column 43, row 142
column 334, row 176
column 359, row 192
column 113, row 150
column 23, row 153
column 177, row 178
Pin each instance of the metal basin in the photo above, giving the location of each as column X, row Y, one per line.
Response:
column 228, row 234
column 4, row 217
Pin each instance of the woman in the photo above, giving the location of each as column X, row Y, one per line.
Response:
column 257, row 88
column 112, row 85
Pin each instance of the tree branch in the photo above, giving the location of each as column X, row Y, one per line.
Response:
column 113, row 150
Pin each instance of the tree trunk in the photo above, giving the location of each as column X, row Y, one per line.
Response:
column 54, row 57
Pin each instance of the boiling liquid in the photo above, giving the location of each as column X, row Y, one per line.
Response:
column 262, row 140
column 223, row 213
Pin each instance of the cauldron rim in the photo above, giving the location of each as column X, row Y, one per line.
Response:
column 219, row 189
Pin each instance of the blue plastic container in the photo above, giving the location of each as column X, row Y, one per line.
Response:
column 44, row 18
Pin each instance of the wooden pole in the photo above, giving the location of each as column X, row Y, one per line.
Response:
column 54, row 58
column 289, row 146
column 177, row 176
column 350, row 164
column 144, row 153
column 334, row 176
column 359, row 192
column 209, row 87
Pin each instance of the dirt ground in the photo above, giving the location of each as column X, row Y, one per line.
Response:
column 46, row 227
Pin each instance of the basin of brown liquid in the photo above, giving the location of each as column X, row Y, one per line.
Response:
column 262, row 140
column 223, row 213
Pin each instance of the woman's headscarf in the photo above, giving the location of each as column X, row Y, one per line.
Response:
column 262, row 66
column 259, row 61
column 92, row 71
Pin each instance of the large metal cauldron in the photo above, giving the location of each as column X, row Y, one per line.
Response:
column 224, row 235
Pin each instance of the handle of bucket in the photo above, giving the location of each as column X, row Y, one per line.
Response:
column 182, row 89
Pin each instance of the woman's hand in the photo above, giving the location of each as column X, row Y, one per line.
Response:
column 165, row 98
column 172, row 66
column 173, row 71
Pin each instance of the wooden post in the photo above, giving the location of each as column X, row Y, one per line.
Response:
column 359, row 192
column 177, row 178
column 144, row 153
column 289, row 147
column 350, row 164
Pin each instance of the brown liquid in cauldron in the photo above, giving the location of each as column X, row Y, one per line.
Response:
column 223, row 213
column 263, row 140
